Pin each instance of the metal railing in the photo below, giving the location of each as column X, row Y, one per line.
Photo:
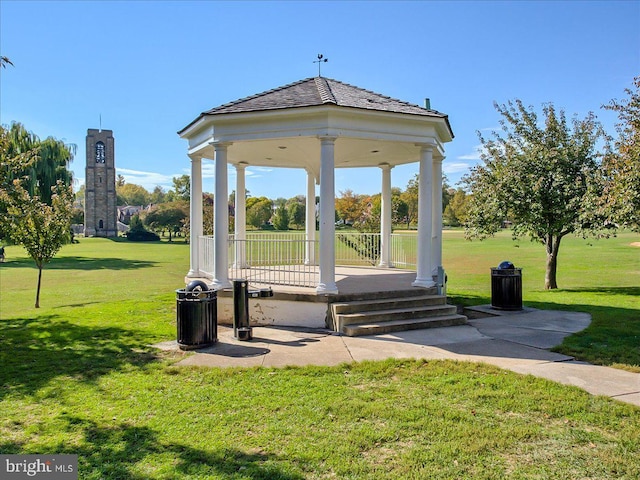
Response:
column 404, row 250
column 290, row 259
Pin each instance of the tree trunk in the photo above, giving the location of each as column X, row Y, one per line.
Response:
column 38, row 289
column 553, row 245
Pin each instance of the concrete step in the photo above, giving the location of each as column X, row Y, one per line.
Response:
column 403, row 325
column 387, row 304
column 377, row 316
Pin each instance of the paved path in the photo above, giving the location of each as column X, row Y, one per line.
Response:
column 515, row 341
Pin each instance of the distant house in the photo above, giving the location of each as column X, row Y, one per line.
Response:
column 126, row 212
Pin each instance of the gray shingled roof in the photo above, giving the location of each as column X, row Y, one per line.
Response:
column 316, row 91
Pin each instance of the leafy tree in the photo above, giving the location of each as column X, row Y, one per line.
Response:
column 40, row 228
column 167, row 216
column 399, row 208
column 455, row 213
column 181, row 190
column 543, row 178
column 132, row 194
column 370, row 211
column 259, row 211
column 296, row 206
column 4, row 61
column 281, row 218
column 410, row 198
column 349, row 206
column 158, row 195
column 137, row 232
column 120, row 181
column 49, row 166
column 621, row 195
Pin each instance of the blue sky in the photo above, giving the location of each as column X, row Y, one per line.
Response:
column 148, row 68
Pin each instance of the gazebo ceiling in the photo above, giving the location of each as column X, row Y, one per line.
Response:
column 281, row 127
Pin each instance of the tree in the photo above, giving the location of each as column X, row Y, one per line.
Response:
column 621, row 194
column 455, row 213
column 259, row 211
column 181, row 189
column 132, row 194
column 167, row 216
column 543, row 178
column 349, row 206
column 410, row 198
column 4, row 61
column 49, row 166
column 281, row 218
column 40, row 228
column 296, row 206
column 120, row 181
column 137, row 232
column 158, row 195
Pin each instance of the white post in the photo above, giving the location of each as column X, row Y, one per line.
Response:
column 195, row 216
column 221, row 219
column 436, row 234
column 327, row 217
column 385, row 217
column 310, row 220
column 425, row 222
column 241, row 217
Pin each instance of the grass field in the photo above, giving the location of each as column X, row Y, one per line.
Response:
column 78, row 376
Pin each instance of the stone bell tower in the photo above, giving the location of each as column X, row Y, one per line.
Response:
column 100, row 213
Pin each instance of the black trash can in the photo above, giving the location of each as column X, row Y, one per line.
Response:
column 197, row 317
column 506, row 287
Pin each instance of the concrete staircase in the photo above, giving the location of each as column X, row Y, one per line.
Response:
column 411, row 311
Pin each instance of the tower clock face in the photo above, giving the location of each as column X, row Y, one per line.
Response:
column 100, row 158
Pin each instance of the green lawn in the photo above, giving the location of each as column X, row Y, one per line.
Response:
column 78, row 376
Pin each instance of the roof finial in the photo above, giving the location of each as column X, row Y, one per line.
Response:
column 319, row 61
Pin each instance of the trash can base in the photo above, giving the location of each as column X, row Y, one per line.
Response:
column 184, row 346
column 245, row 333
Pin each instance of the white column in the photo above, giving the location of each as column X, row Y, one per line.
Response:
column 385, row 217
column 436, row 229
column 241, row 217
column 195, row 217
column 310, row 220
column 327, row 217
column 425, row 219
column 221, row 219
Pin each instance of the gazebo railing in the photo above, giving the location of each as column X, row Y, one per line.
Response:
column 290, row 259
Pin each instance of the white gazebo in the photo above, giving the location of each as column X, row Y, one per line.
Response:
column 317, row 124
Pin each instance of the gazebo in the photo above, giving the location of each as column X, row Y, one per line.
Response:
column 317, row 124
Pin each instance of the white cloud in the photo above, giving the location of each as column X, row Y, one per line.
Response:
column 475, row 155
column 147, row 179
column 455, row 167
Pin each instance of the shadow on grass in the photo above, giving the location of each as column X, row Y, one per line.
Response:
column 115, row 451
column 36, row 351
column 84, row 263
column 633, row 291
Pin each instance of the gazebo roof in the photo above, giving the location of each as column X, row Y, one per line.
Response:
column 317, row 91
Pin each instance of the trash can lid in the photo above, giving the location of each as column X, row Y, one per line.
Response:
column 506, row 265
column 197, row 285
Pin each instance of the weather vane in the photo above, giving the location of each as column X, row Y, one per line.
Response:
column 319, row 61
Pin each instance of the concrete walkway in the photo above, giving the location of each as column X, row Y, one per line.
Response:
column 517, row 341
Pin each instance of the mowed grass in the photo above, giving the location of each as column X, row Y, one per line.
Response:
column 78, row 376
